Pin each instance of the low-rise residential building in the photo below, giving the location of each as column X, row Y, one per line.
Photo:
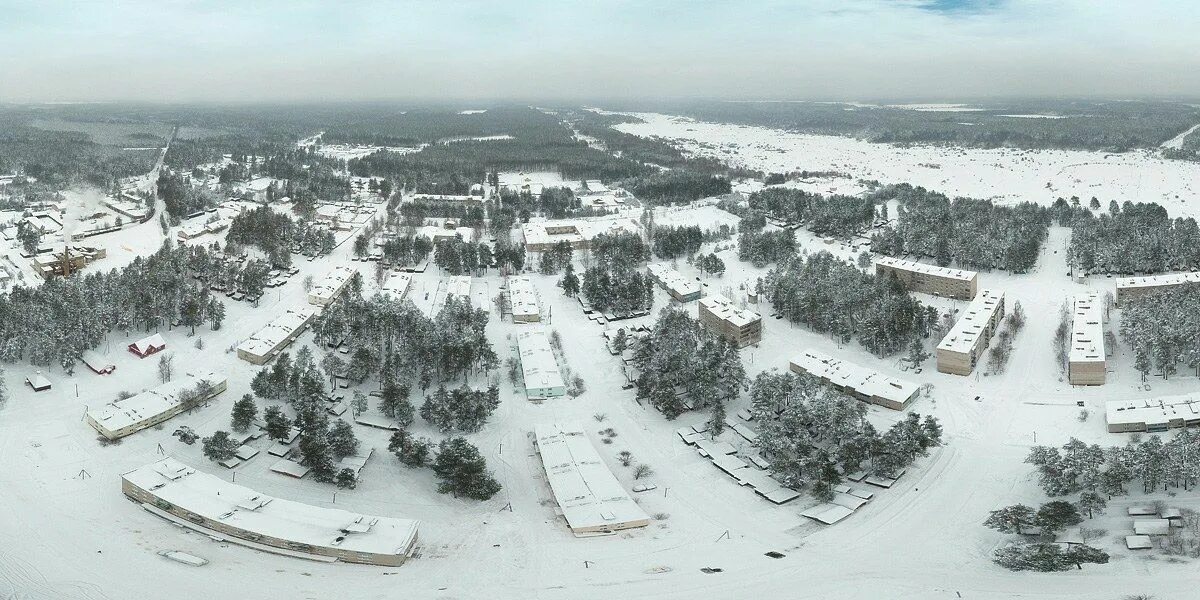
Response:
column 930, row 279
column 1087, row 358
column 327, row 289
column 678, row 286
column 524, row 300
column 539, row 367
column 120, row 418
column 215, row 507
column 965, row 343
column 590, row 498
column 1130, row 288
column 858, row 381
column 740, row 326
column 579, row 233
column 275, row 336
column 396, row 286
column 1152, row 414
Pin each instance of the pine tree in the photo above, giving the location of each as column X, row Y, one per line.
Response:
column 342, row 441
column 244, row 413
column 411, row 451
column 346, row 479
column 463, row 470
column 219, row 446
column 278, row 426
column 1011, row 519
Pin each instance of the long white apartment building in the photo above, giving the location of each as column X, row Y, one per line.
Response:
column 396, row 286
column 965, row 343
column 589, row 497
column 930, row 279
column 327, row 289
column 227, row 511
column 120, row 418
column 858, row 381
column 1087, row 357
column 1129, row 288
column 524, row 300
column 1152, row 414
column 275, row 336
column 542, row 235
column 677, row 285
column 538, row 365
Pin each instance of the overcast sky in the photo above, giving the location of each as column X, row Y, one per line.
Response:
column 263, row 50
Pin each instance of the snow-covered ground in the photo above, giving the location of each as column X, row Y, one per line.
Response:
column 1005, row 175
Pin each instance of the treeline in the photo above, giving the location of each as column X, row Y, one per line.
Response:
column 761, row 248
column 1163, row 330
column 1134, row 238
column 675, row 241
column 676, row 187
column 47, row 324
column 456, row 256
column 180, row 198
column 831, row 296
column 397, row 341
column 811, row 433
column 468, row 214
column 1078, row 468
column 970, row 233
column 683, row 366
column 839, row 216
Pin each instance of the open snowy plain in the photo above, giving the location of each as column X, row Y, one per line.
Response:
column 66, row 530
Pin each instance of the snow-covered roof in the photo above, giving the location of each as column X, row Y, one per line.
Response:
column 537, row 360
column 1087, row 329
column 970, row 326
column 96, row 361
column 588, row 494
column 396, row 286
column 240, row 507
column 1157, row 280
column 276, row 333
column 854, row 377
column 574, row 231
column 145, row 344
column 459, row 285
column 673, row 280
column 916, row 267
column 1152, row 411
column 324, row 291
column 524, row 299
column 146, row 406
column 723, row 309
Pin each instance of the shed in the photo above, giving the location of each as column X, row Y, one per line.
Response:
column 245, row 452
column 827, row 513
column 38, row 382
column 1151, row 526
column 1141, row 511
column 98, row 363
column 290, row 468
column 148, row 345
column 1138, row 542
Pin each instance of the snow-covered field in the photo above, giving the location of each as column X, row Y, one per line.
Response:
column 1005, row 175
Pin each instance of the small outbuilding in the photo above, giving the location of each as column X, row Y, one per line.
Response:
column 98, row 363
column 148, row 345
column 1138, row 542
column 1152, row 527
column 38, row 382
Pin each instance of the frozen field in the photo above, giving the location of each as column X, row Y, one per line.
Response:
column 1005, row 175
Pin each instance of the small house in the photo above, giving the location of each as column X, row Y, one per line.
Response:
column 99, row 364
column 38, row 382
column 148, row 345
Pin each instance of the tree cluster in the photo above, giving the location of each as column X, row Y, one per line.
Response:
column 460, row 409
column 683, row 366
column 761, row 248
column 1163, row 330
column 837, row 216
column 1137, row 238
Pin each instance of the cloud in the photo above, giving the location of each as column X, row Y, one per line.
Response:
column 816, row 49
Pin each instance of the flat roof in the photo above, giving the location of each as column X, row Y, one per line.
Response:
column 119, row 414
column 1151, row 411
column 586, row 490
column 916, row 267
column 1087, row 329
column 724, row 309
column 537, row 359
column 966, row 331
column 575, row 231
column 220, row 501
column 396, row 285
column 1157, row 280
column 524, row 298
column 275, row 333
column 861, row 379
column 331, row 283
column 674, row 280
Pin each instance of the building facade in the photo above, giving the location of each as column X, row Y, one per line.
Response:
column 1130, row 288
column 965, row 343
column 930, row 279
column 741, row 327
column 862, row 383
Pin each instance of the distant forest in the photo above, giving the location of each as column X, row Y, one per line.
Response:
column 1090, row 125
